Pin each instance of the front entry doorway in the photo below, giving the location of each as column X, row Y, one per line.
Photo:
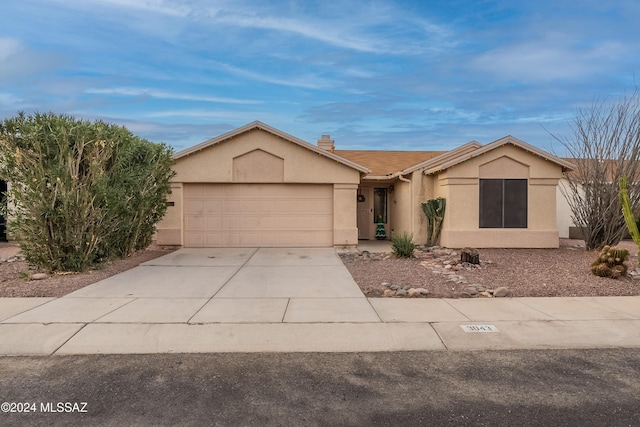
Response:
column 372, row 210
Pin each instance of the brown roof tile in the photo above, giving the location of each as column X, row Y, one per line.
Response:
column 384, row 163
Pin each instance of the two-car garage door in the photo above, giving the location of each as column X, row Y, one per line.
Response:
column 245, row 215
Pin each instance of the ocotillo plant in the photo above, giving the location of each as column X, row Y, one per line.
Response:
column 434, row 210
column 628, row 213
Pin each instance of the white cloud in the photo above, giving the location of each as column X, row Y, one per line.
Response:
column 8, row 47
column 329, row 34
column 207, row 114
column 156, row 6
column 549, row 59
column 9, row 99
column 18, row 62
column 130, row 91
column 307, row 81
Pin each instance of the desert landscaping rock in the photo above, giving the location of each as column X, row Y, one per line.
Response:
column 388, row 293
column 564, row 271
column 470, row 290
column 501, row 292
column 39, row 276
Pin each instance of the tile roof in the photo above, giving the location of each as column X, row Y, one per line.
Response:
column 387, row 162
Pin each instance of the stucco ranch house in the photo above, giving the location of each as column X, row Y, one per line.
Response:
column 258, row 186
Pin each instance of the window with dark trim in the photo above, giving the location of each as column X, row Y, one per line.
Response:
column 380, row 205
column 503, row 203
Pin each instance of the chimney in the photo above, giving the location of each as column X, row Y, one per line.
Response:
column 326, row 143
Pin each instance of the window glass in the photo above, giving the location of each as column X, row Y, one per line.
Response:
column 503, row 203
column 380, row 205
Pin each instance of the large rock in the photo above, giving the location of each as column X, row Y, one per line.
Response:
column 501, row 292
column 416, row 292
column 471, row 290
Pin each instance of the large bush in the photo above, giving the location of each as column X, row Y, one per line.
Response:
column 81, row 191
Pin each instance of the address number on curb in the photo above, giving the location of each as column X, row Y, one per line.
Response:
column 479, row 328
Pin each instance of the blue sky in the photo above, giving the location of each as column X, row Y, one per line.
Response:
column 406, row 75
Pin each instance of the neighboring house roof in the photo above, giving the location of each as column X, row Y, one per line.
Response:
column 259, row 125
column 609, row 169
column 386, row 163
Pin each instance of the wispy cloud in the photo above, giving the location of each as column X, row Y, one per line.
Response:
column 555, row 57
column 332, row 36
column 155, row 6
column 131, row 91
column 307, row 81
column 380, row 73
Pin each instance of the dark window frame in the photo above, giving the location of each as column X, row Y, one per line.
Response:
column 504, row 203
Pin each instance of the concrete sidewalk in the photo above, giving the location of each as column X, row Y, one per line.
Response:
column 292, row 300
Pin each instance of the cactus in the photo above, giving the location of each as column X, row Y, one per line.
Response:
column 619, row 254
column 611, row 262
column 628, row 212
column 600, row 269
column 434, row 210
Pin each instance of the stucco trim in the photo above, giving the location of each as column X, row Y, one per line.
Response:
column 445, row 157
column 566, row 166
column 458, row 181
column 259, row 125
column 544, row 181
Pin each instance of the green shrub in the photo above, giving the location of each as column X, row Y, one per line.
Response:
column 82, row 191
column 402, row 244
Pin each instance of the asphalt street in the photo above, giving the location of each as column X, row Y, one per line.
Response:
column 496, row 388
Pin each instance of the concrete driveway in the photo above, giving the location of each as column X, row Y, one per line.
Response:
column 272, row 300
column 215, row 285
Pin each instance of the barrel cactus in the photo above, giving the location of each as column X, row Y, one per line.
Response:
column 611, row 262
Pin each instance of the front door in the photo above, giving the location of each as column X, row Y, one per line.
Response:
column 365, row 213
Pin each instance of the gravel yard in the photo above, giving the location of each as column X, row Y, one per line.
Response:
column 525, row 272
column 15, row 274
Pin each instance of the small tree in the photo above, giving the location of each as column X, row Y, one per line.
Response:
column 81, row 191
column 604, row 146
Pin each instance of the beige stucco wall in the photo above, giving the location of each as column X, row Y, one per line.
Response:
column 399, row 201
column 215, row 163
column 169, row 230
column 460, row 186
column 563, row 215
column 259, row 156
column 345, row 228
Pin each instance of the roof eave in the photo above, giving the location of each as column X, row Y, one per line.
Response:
column 259, row 125
column 499, row 143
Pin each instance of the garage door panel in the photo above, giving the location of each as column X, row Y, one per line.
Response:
column 212, row 206
column 258, row 215
column 194, row 206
